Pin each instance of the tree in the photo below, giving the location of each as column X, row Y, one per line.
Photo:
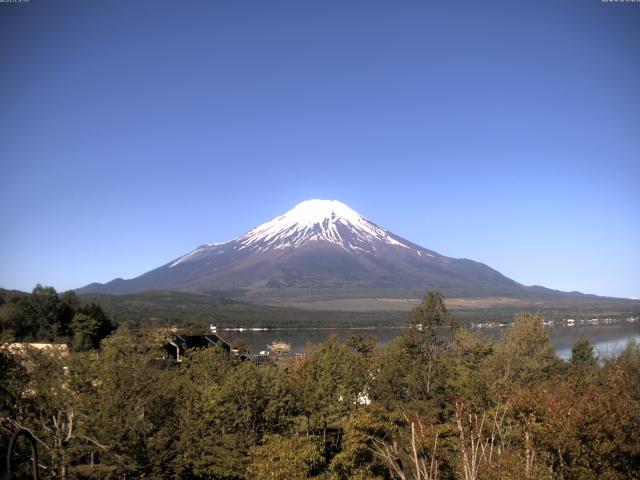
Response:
column 363, row 345
column 328, row 384
column 525, row 354
column 227, row 407
column 46, row 316
column 426, row 317
column 293, row 458
column 13, row 376
column 582, row 354
column 89, row 326
column 207, row 448
column 104, row 324
column 467, row 373
column 363, row 432
column 85, row 332
column 241, row 345
column 629, row 362
column 583, row 364
column 49, row 317
column 70, row 299
column 400, row 371
column 39, row 316
column 48, row 402
column 431, row 312
column 136, row 399
column 12, row 325
column 253, row 400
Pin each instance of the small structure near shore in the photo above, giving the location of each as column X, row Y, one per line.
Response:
column 178, row 345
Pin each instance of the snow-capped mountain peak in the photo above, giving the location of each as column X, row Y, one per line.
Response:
column 318, row 220
column 328, row 221
column 318, row 248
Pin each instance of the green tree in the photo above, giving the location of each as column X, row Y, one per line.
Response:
column 582, row 354
column 328, row 384
column 525, row 354
column 629, row 362
column 400, row 374
column 70, row 299
column 228, row 406
column 254, row 400
column 206, row 448
column 12, row 325
column 46, row 316
column 292, row 457
column 88, row 327
column 241, row 346
column 104, row 324
column 583, row 364
column 46, row 400
column 467, row 373
column 13, row 376
column 50, row 318
column 363, row 430
column 85, row 332
column 410, row 370
column 136, row 399
column 431, row 312
column 363, row 345
column 426, row 317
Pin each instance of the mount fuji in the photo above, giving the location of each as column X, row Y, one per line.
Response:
column 321, row 249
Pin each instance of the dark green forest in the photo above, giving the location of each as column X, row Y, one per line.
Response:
column 422, row 407
column 167, row 308
column 46, row 316
column 171, row 307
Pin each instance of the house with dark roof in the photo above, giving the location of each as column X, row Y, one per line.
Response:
column 178, row 344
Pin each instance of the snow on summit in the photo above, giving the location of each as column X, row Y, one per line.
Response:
column 310, row 221
column 318, row 220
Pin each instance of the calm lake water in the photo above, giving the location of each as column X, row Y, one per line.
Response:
column 608, row 339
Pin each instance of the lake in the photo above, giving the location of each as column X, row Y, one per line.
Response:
column 607, row 339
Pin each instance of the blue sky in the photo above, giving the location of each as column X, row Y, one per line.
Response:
column 506, row 132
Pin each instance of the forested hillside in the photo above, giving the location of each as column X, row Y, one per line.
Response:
column 167, row 308
column 419, row 408
column 23, row 316
column 45, row 316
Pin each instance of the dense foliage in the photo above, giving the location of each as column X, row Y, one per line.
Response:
column 45, row 316
column 423, row 407
column 167, row 308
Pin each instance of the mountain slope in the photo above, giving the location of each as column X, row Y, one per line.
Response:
column 321, row 249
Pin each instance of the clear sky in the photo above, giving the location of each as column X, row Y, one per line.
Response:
column 505, row 132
